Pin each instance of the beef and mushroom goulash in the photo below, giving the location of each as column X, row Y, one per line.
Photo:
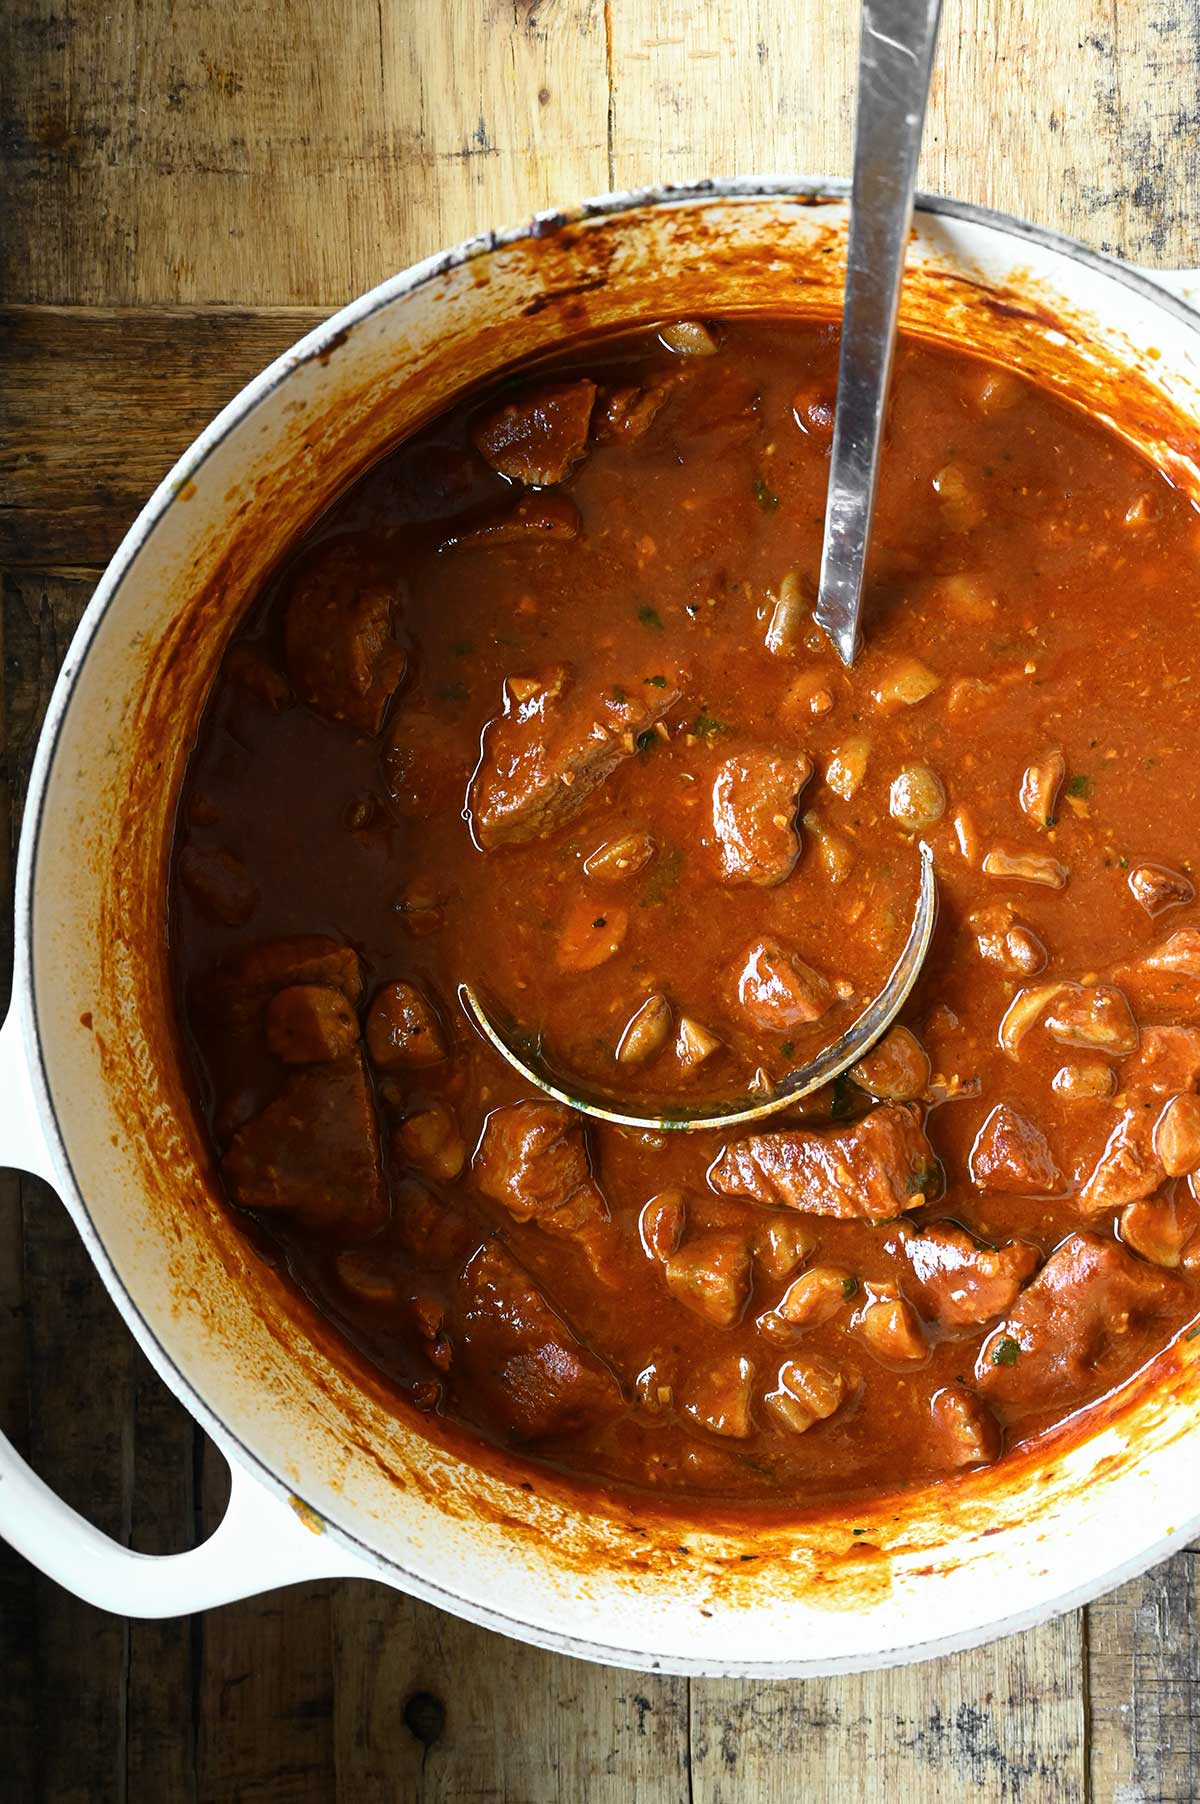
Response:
column 539, row 706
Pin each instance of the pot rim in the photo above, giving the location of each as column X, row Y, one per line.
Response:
column 319, row 341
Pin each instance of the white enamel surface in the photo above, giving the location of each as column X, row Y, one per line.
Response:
column 176, row 1275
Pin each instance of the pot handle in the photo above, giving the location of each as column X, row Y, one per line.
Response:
column 260, row 1543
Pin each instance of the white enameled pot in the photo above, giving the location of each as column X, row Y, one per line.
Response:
column 327, row 1478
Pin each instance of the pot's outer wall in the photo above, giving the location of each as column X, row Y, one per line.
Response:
column 945, row 1567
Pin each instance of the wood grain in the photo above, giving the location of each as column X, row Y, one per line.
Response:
column 188, row 188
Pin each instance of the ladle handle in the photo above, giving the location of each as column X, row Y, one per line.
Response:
column 895, row 62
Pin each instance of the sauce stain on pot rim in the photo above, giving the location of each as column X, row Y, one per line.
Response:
column 327, row 1399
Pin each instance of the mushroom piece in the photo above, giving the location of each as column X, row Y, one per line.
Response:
column 689, row 338
column 848, row 766
column 917, row 798
column 807, row 1391
column 645, row 1033
column 402, row 1028
column 1040, row 786
column 694, row 1043
column 896, row 1070
column 1026, row 867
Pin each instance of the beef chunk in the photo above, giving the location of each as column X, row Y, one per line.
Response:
column 754, row 799
column 1177, row 1136
column 711, row 1276
column 309, row 1023
column 240, row 990
column 1011, row 1156
column 1164, row 1229
column 1128, row 1168
column 892, row 1329
column 554, row 745
column 625, row 415
column 540, row 437
column 960, row 1282
column 1006, row 942
column 967, row 1432
column 342, row 657
column 1168, row 1061
column 219, row 884
column 521, row 1358
column 1094, row 1017
column 1158, row 888
column 807, row 1391
column 532, row 1159
column 872, row 1170
column 1087, row 1297
column 535, row 520
column 778, row 992
column 403, row 1029
column 314, row 1151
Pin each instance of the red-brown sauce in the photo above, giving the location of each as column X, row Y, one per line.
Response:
column 539, row 706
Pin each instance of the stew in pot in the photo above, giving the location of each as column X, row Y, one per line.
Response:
column 539, row 705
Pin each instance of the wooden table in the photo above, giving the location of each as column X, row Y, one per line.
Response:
column 186, row 184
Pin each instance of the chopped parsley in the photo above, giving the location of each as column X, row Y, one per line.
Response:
column 646, row 742
column 1006, row 1351
column 1192, row 1332
column 618, row 695
column 707, row 726
column 923, row 1182
column 663, row 877
column 1080, row 786
column 787, row 1049
column 841, row 1106
column 650, row 617
column 849, row 1287
column 1123, row 862
column 656, row 682
column 600, row 921
column 453, row 692
column 765, row 497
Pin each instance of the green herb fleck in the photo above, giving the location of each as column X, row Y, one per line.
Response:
column 858, row 1531
column 618, row 695
column 707, row 726
column 1006, row 1351
column 650, row 617
column 600, row 921
column 656, row 682
column 663, row 877
column 924, row 1181
column 646, row 742
column 1123, row 862
column 788, row 1048
column 1079, row 786
column 453, row 692
column 849, row 1287
column 766, row 499
column 1192, row 1332
column 841, row 1106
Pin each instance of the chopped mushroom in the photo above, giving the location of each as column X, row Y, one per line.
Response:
column 896, row 1069
column 1040, row 786
column 814, row 1297
column 967, row 1430
column 791, row 611
column 905, row 683
column 430, row 1139
column 917, row 799
column 711, row 1276
column 780, row 1245
column 891, row 1328
column 834, row 852
column 661, row 1224
column 1006, row 942
column 625, row 415
column 694, row 1043
column 536, row 519
column 619, row 858
column 1011, row 1156
column 1158, row 888
column 1023, row 1012
column 1084, row 1082
column 961, row 504
column 403, row 1029
column 689, row 338
column 1161, row 1228
column 646, row 1031
column 848, row 767
column 1026, row 867
column 806, row 1391
column 1177, row 1136
column 717, row 1396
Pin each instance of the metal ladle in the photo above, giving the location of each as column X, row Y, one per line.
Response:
column 895, row 62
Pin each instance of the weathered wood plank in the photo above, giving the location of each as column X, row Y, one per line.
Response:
column 1144, row 1685
column 1001, row 1725
column 430, row 1710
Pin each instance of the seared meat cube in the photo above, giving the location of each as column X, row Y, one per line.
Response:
column 807, row 1391
column 1158, row 888
column 711, row 1276
column 896, row 1069
column 219, row 884
column 780, row 1245
column 962, row 1283
column 754, row 799
column 1089, row 1294
column 309, row 1023
column 1128, row 1168
column 717, row 1396
column 1006, row 942
column 403, row 1029
column 307, row 958
column 532, row 1159
column 314, row 1151
column 625, row 415
column 535, row 520
column 553, row 746
column 871, row 1170
column 1168, row 1061
column 522, row 1360
column 968, row 1433
column 1011, row 1156
column 1177, row 1136
column 1095, row 1017
column 342, row 656
column 778, row 991
column 539, row 438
